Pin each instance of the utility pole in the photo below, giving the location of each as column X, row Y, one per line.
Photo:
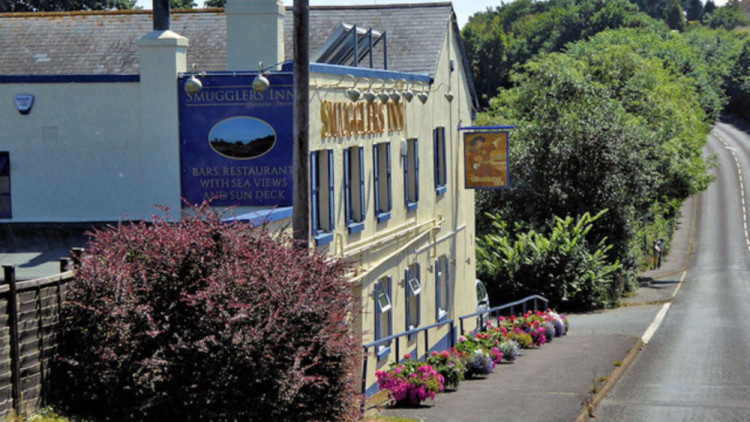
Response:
column 300, row 204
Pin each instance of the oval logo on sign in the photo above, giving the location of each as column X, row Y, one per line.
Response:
column 242, row 138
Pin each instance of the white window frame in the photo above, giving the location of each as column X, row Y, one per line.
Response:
column 383, row 289
column 442, row 288
column 413, row 293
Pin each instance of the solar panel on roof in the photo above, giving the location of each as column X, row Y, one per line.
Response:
column 340, row 47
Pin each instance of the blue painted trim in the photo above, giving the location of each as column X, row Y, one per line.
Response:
column 384, row 216
column 356, row 227
column 440, row 190
column 411, row 206
column 262, row 216
column 484, row 128
column 323, row 239
column 46, row 79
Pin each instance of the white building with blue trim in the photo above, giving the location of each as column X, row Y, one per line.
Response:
column 113, row 129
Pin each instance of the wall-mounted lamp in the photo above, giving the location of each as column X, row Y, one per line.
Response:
column 194, row 85
column 422, row 95
column 407, row 94
column 449, row 96
column 260, row 83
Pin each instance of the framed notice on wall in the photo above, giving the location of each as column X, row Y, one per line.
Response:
column 486, row 157
column 235, row 142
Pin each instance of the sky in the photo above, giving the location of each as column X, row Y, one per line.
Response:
column 464, row 8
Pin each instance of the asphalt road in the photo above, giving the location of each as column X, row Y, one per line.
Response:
column 696, row 367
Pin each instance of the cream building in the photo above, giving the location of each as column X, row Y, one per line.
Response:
column 98, row 125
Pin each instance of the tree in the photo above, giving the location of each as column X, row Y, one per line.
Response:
column 694, row 9
column 215, row 3
column 728, row 17
column 673, row 15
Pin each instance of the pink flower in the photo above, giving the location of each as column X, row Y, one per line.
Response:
column 407, row 356
column 434, row 353
column 444, row 354
column 461, row 339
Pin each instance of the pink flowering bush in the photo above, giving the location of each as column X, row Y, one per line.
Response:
column 199, row 319
column 451, row 365
column 410, row 382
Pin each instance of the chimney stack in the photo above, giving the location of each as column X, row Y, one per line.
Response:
column 255, row 33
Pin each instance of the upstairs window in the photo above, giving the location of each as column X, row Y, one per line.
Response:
column 441, row 168
column 442, row 289
column 5, row 211
column 384, row 311
column 321, row 192
column 382, row 176
column 413, row 296
column 411, row 174
column 354, row 188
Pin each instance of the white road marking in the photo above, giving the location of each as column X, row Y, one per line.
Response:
column 742, row 188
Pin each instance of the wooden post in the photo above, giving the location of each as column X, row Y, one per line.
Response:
column 300, row 204
column 10, row 278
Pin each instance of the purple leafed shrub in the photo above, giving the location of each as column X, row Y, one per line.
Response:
column 200, row 320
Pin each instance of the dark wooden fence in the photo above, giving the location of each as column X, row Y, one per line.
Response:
column 29, row 315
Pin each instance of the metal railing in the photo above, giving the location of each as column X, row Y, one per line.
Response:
column 495, row 312
column 395, row 339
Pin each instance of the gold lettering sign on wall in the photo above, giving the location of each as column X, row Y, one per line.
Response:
column 344, row 119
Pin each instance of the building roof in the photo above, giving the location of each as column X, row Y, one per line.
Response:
column 90, row 43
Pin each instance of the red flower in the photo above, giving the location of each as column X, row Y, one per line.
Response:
column 407, row 356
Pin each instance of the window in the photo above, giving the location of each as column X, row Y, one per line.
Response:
column 354, row 188
column 411, row 174
column 5, row 211
column 321, row 179
column 442, row 288
column 382, row 174
column 441, row 170
column 383, row 319
column 413, row 296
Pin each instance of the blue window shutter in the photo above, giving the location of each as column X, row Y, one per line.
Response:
column 419, row 297
column 437, row 289
column 447, row 284
column 314, row 190
column 390, row 312
column 408, row 298
column 362, row 183
column 406, row 177
column 377, row 311
column 416, row 170
column 444, row 167
column 347, row 187
column 388, row 165
column 330, row 190
column 376, row 187
column 437, row 157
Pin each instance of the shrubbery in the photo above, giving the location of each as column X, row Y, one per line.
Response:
column 201, row 320
column 562, row 266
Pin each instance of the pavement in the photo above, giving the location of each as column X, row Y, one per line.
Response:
column 567, row 378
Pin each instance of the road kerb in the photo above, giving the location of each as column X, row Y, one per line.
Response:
column 589, row 409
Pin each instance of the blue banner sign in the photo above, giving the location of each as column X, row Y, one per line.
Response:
column 236, row 143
